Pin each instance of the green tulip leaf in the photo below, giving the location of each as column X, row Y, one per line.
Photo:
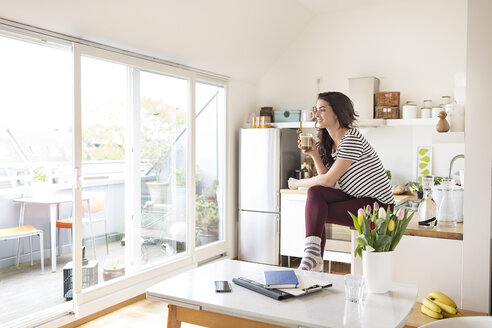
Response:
column 422, row 165
column 425, row 172
column 425, row 159
column 423, row 151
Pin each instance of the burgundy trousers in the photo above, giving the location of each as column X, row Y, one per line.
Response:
column 328, row 205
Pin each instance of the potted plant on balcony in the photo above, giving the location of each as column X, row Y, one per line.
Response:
column 39, row 181
column 207, row 215
column 155, row 145
column 113, row 269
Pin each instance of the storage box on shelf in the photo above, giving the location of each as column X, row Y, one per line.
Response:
column 387, row 104
column 388, row 98
column 287, row 115
column 387, row 112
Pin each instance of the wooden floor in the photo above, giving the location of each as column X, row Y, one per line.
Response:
column 143, row 313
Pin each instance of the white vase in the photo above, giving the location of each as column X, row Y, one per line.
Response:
column 377, row 268
column 158, row 191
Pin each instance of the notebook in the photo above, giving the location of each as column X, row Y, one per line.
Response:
column 280, row 279
column 307, row 285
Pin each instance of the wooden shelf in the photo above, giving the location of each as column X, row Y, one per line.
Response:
column 377, row 122
column 448, row 137
column 411, row 122
column 437, row 138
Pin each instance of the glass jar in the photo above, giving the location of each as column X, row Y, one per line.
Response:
column 426, row 112
column 446, row 214
column 265, row 122
column 409, row 110
column 445, row 100
column 427, row 208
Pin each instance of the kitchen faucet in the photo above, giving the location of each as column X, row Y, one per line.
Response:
column 452, row 162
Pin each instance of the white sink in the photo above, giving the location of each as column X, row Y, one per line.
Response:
column 461, row 322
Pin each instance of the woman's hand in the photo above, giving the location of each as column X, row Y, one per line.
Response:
column 293, row 183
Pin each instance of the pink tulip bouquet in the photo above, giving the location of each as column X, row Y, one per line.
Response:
column 379, row 230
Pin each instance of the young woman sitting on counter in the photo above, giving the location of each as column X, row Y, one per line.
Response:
column 341, row 154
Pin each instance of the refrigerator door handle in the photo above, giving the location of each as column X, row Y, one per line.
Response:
column 278, row 224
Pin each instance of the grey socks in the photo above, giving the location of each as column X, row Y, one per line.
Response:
column 312, row 259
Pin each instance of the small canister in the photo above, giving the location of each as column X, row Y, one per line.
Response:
column 409, row 111
column 426, row 112
column 256, row 122
column 445, row 100
column 265, row 122
column 427, row 104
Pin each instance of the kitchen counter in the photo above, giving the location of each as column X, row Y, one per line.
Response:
column 413, row 227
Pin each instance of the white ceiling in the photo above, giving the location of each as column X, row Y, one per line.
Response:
column 241, row 39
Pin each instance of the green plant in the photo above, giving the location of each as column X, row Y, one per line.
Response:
column 39, row 174
column 388, row 174
column 112, row 265
column 379, row 230
column 437, row 180
column 211, row 193
column 207, row 215
column 159, row 123
column 415, row 186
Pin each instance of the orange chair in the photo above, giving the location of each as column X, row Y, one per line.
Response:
column 25, row 231
column 89, row 207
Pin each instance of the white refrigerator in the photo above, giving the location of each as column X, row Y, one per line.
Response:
column 266, row 158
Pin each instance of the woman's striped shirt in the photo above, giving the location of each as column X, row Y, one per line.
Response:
column 366, row 176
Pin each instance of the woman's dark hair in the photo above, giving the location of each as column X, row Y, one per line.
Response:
column 344, row 110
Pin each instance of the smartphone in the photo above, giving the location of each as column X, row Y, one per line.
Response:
column 222, row 286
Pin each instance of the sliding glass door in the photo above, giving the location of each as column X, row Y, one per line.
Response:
column 35, row 173
column 104, row 100
column 163, row 166
column 209, row 222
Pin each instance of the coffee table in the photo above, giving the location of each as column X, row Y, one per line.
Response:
column 192, row 298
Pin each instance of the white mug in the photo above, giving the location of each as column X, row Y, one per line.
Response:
column 307, row 115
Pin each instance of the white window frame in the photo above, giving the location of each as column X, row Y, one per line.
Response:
column 89, row 300
column 207, row 252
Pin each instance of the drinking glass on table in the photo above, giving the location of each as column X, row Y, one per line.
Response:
column 354, row 288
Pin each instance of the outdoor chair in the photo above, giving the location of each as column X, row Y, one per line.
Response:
column 21, row 232
column 89, row 207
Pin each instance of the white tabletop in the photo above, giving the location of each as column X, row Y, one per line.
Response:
column 327, row 308
column 55, row 198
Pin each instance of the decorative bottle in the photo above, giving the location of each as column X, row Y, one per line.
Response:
column 446, row 214
column 304, row 171
column 427, row 209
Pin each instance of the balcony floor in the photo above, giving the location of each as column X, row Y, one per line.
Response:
column 24, row 290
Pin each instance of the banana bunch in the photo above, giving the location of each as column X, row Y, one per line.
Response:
column 437, row 305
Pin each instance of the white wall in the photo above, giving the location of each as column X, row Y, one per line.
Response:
column 414, row 47
column 478, row 175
